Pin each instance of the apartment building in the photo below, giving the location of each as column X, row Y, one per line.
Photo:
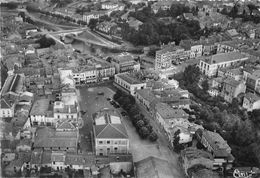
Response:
column 128, row 83
column 167, row 55
column 125, row 63
column 209, row 65
column 109, row 133
column 62, row 111
column 252, row 81
column 6, row 108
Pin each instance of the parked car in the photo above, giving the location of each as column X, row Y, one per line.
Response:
column 108, row 99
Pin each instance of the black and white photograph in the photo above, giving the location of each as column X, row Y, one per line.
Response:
column 130, row 88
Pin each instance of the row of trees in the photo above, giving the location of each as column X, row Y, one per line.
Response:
column 141, row 123
column 235, row 125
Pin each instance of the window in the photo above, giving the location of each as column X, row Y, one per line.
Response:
column 58, row 116
column 108, row 142
column 100, row 142
column 53, row 162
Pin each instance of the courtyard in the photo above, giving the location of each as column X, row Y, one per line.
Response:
column 90, row 102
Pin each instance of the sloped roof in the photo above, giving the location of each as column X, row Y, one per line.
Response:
column 5, row 104
column 105, row 127
column 66, row 125
column 252, row 97
column 153, row 167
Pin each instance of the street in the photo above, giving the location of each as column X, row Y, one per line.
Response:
column 91, row 102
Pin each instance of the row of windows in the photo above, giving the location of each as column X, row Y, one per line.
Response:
column 120, row 142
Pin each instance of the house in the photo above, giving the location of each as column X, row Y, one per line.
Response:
column 251, row 102
column 53, row 140
column 167, row 55
column 128, row 83
column 188, row 16
column 15, row 166
column 109, row 5
column 165, row 115
column 69, row 96
column 252, row 80
column 125, row 63
column 145, row 97
column 231, row 89
column 12, row 87
column 153, row 167
column 58, row 160
column 41, row 113
column 235, row 73
column 209, row 65
column 184, row 136
column 24, row 145
column 109, row 133
column 79, row 162
column 62, row 111
column 84, row 74
column 107, row 27
column 6, row 109
column 217, row 146
column 232, row 34
column 190, row 157
column 227, row 46
column 105, row 71
column 163, row 5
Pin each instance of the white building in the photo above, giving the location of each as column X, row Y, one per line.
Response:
column 6, row 108
column 209, row 65
column 128, row 83
column 109, row 133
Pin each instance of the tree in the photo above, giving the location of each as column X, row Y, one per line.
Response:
column 251, row 8
column 45, row 42
column 117, row 95
column 205, row 85
column 176, row 141
column 153, row 136
column 133, row 111
column 144, row 132
column 140, row 123
column 92, row 24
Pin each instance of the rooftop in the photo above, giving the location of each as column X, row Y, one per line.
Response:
column 153, row 167
column 168, row 112
column 40, row 107
column 128, row 78
column 223, row 57
column 252, row 97
column 231, row 81
column 146, row 94
column 5, row 104
column 108, row 125
column 168, row 49
column 48, row 137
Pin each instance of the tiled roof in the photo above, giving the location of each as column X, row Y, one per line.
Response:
column 252, row 97
column 129, row 79
column 168, row 112
column 40, row 107
column 105, row 127
column 47, row 137
column 223, row 57
column 231, row 81
column 5, row 104
column 66, row 125
column 153, row 167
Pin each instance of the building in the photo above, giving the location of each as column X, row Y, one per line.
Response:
column 209, row 65
column 41, row 113
column 217, row 146
column 12, row 87
column 128, row 83
column 62, row 111
column 236, row 73
column 105, row 71
column 231, row 89
column 53, row 140
column 251, row 102
column 167, row 55
column 109, row 133
column 125, row 63
column 84, row 75
column 109, row 5
column 253, row 81
column 190, row 157
column 6, row 108
column 153, row 167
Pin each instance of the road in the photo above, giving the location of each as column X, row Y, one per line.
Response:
column 91, row 102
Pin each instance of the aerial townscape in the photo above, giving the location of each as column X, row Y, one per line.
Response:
column 130, row 88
